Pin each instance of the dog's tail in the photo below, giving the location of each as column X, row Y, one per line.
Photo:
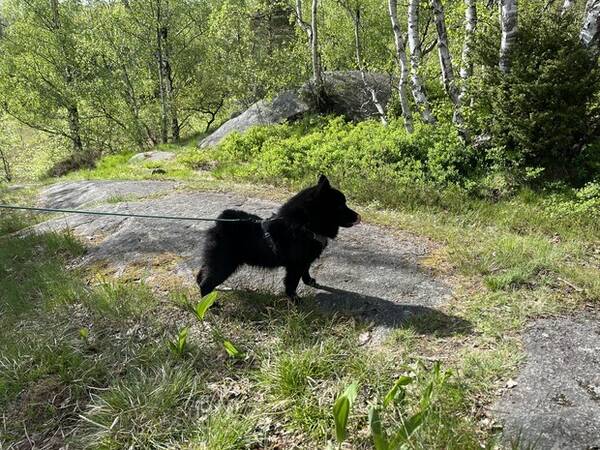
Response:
column 239, row 220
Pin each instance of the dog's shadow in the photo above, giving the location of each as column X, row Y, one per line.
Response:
column 379, row 312
column 385, row 313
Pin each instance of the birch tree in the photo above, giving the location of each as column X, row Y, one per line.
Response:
column 402, row 64
column 165, row 74
column 311, row 31
column 466, row 68
column 446, row 60
column 414, row 44
column 509, row 26
column 590, row 30
column 68, row 75
column 566, row 6
column 355, row 16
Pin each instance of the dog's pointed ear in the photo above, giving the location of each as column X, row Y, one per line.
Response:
column 323, row 181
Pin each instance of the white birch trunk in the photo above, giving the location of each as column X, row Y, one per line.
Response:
column 311, row 31
column 403, row 65
column 314, row 45
column 509, row 25
column 414, row 44
column 355, row 16
column 466, row 68
column 590, row 30
column 566, row 6
column 446, row 60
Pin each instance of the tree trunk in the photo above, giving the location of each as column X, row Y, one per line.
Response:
column 169, row 90
column 311, row 31
column 414, row 44
column 402, row 64
column 316, row 57
column 75, row 128
column 509, row 25
column 357, row 48
column 144, row 136
column 6, row 166
column 164, row 110
column 67, row 74
column 466, row 68
column 160, row 60
column 590, row 31
column 446, row 60
column 566, row 6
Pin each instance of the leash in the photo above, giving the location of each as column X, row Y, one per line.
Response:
column 319, row 238
column 100, row 213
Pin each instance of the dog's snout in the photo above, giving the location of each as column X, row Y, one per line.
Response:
column 358, row 218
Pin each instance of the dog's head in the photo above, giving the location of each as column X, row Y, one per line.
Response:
column 322, row 208
column 332, row 204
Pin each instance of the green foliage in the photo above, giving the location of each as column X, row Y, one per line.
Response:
column 341, row 411
column 380, row 441
column 397, row 392
column 366, row 159
column 205, row 302
column 410, row 423
column 178, row 345
column 544, row 111
column 583, row 202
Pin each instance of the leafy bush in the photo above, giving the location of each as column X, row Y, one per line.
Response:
column 584, row 203
column 365, row 158
column 540, row 114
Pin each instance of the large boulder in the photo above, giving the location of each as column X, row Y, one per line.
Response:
column 346, row 95
column 285, row 106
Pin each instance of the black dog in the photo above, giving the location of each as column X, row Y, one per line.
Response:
column 293, row 238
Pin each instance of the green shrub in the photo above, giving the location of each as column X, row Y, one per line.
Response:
column 366, row 159
column 540, row 114
column 584, row 203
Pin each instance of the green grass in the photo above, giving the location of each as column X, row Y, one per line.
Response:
column 119, row 385
column 117, row 166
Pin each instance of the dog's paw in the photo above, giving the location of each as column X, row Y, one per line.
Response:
column 310, row 282
column 294, row 298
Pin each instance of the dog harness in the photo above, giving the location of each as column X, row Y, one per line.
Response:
column 322, row 240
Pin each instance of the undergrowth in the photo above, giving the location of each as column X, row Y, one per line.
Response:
column 86, row 363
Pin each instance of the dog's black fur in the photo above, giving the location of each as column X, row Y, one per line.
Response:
column 294, row 238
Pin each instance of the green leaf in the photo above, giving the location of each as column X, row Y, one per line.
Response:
column 410, row 426
column 397, row 389
column 179, row 343
column 84, row 333
column 426, row 396
column 205, row 303
column 231, row 349
column 379, row 438
column 341, row 410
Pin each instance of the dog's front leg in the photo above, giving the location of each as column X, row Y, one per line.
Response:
column 292, row 278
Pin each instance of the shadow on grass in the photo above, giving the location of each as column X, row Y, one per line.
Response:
column 254, row 306
column 389, row 314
